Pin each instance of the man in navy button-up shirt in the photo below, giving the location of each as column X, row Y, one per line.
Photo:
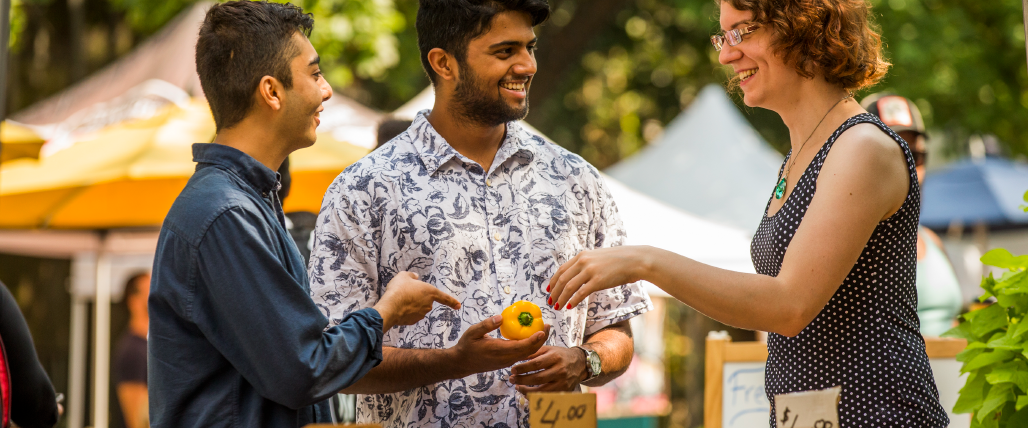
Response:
column 235, row 339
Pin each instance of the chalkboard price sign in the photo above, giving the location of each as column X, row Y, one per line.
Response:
column 561, row 410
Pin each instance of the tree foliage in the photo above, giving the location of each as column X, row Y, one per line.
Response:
column 612, row 73
column 962, row 61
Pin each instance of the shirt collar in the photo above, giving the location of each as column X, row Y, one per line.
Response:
column 258, row 176
column 434, row 151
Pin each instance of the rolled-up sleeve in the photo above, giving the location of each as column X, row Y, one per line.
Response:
column 264, row 322
column 623, row 302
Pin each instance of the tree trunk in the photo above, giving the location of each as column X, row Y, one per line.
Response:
column 77, row 32
column 561, row 48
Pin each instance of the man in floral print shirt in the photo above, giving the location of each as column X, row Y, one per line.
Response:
column 479, row 207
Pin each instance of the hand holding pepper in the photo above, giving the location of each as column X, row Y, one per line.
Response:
column 521, row 320
column 478, row 352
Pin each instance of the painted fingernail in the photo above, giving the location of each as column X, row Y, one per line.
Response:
column 556, row 307
column 569, row 306
column 549, row 300
column 548, row 288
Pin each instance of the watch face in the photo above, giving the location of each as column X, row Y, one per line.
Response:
column 594, row 363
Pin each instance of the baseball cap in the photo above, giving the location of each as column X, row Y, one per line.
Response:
column 895, row 111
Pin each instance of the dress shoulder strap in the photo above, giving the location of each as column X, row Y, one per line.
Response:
column 870, row 118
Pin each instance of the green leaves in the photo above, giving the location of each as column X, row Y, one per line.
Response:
column 971, row 395
column 986, row 359
column 998, row 396
column 1002, row 258
column 984, row 321
column 996, row 356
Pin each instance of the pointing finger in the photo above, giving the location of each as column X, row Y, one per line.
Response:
column 445, row 299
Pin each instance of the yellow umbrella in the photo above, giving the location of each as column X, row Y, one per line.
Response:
column 18, row 142
column 128, row 174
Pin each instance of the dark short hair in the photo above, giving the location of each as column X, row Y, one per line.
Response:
column 451, row 24
column 390, row 128
column 241, row 42
column 838, row 38
column 132, row 285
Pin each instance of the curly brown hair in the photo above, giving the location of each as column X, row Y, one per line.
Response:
column 837, row 38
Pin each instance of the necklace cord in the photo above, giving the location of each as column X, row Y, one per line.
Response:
column 792, row 160
column 782, row 182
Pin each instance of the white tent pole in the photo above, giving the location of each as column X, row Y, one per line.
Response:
column 102, row 335
column 77, row 362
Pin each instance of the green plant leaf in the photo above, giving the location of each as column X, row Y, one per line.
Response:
column 1019, row 329
column 1019, row 419
column 989, row 285
column 1012, row 291
column 961, row 331
column 1007, row 342
column 986, row 359
column 1015, row 301
column 971, row 351
column 1014, row 372
column 1022, row 401
column 986, row 320
column 971, row 395
column 991, row 422
column 997, row 397
column 1002, row 258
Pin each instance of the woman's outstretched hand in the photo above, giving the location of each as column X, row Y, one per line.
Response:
column 595, row 270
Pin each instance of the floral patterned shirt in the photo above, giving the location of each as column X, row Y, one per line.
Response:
column 489, row 239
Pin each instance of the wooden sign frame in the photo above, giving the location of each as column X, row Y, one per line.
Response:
column 721, row 350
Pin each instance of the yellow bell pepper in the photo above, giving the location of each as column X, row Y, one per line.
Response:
column 521, row 320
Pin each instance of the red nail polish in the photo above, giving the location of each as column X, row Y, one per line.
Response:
column 556, row 307
column 569, row 306
column 548, row 288
column 549, row 300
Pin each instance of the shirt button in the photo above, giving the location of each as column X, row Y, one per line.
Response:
column 506, row 289
column 497, row 236
column 488, row 182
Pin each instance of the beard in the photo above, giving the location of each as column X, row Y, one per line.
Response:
column 474, row 104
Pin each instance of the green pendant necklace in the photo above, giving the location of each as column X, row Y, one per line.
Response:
column 780, row 188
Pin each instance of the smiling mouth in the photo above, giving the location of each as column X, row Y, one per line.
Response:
column 514, row 86
column 746, row 74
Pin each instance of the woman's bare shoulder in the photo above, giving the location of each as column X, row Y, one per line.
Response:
column 866, row 156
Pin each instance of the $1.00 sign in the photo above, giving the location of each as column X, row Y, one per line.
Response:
column 808, row 409
column 562, row 410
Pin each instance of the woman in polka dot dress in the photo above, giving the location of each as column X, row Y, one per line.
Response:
column 835, row 252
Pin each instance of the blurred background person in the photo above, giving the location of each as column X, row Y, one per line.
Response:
column 130, row 354
column 389, row 129
column 32, row 401
column 939, row 298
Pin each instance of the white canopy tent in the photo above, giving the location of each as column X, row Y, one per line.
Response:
column 710, row 162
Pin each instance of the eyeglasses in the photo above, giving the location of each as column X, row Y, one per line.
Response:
column 732, row 37
column 919, row 157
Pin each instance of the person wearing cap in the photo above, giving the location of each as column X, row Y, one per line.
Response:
column 939, row 298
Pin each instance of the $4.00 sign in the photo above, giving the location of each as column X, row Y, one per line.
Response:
column 561, row 410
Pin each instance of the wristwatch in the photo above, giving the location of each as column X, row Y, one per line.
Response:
column 592, row 363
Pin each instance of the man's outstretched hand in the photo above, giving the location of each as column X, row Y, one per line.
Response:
column 476, row 352
column 407, row 300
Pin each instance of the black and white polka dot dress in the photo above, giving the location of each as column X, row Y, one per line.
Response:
column 866, row 338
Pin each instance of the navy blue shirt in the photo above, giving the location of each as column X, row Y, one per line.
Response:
column 235, row 339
